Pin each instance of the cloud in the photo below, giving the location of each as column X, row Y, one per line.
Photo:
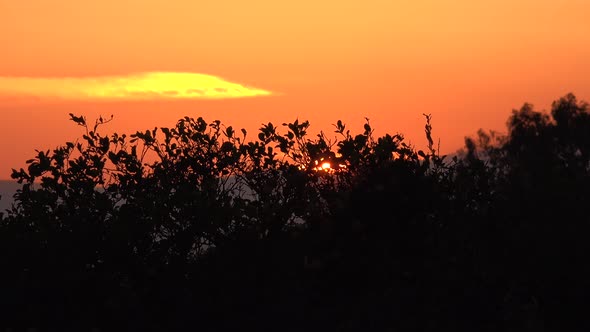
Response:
column 140, row 86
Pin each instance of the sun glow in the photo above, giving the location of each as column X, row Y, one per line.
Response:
column 141, row 86
column 323, row 165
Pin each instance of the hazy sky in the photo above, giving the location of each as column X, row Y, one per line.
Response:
column 468, row 63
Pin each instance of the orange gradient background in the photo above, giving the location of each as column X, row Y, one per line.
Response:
column 468, row 63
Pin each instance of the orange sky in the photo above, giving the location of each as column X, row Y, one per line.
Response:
column 466, row 62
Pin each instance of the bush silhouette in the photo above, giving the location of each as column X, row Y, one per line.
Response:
column 198, row 226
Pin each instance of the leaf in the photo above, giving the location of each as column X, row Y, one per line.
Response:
column 78, row 119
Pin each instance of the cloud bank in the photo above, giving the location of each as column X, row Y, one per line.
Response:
column 140, row 86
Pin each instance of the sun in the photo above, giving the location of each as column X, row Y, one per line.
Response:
column 327, row 166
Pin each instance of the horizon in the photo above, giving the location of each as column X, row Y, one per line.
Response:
column 467, row 64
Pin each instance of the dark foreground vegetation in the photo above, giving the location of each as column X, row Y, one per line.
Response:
column 200, row 227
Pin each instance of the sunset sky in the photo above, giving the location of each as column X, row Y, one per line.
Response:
column 151, row 62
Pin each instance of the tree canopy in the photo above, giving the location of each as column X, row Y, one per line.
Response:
column 202, row 226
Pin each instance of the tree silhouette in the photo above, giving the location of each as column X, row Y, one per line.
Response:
column 199, row 226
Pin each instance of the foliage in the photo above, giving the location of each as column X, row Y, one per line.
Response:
column 197, row 225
